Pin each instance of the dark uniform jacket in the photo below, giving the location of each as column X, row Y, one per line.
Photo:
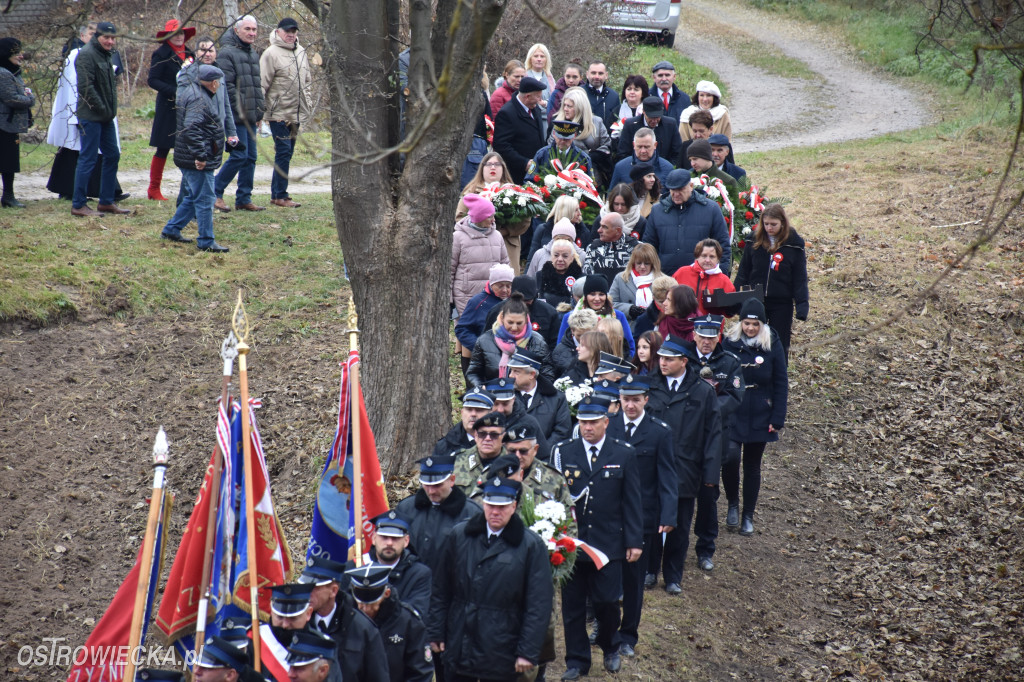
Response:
column 163, row 71
column 411, row 579
column 604, row 104
column 609, row 511
column 430, row 524
column 491, row 603
column 551, row 411
column 360, row 649
column 727, row 380
column 655, row 459
column 666, row 133
column 517, row 136
column 97, row 84
column 766, row 395
column 454, row 441
column 692, row 414
column 783, row 283
column 241, row 66
column 405, row 641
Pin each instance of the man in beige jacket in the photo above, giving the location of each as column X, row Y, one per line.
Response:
column 285, row 76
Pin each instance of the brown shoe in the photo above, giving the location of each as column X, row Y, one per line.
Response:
column 285, row 203
column 250, row 207
column 221, row 206
column 112, row 208
column 85, row 212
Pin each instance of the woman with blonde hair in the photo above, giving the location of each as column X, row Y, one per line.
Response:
column 538, row 65
column 632, row 289
column 612, row 328
column 588, row 354
column 557, row 276
column 593, row 137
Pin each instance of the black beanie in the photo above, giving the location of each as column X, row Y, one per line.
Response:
column 595, row 284
column 753, row 309
column 699, row 149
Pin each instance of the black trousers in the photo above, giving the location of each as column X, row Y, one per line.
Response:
column 633, row 591
column 603, row 587
column 780, row 318
column 706, row 525
column 752, row 455
column 678, row 541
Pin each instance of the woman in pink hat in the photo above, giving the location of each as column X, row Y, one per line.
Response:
column 163, row 69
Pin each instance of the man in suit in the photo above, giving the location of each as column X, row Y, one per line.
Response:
column 651, row 439
column 721, row 150
column 540, row 398
column 605, row 483
column 666, row 130
column 519, row 128
column 604, row 102
column 689, row 406
column 673, row 99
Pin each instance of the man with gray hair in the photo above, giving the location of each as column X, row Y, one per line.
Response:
column 645, row 150
column 609, row 254
column 241, row 66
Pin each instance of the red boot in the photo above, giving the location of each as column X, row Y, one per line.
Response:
column 156, row 174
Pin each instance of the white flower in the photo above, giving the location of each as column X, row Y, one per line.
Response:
column 506, row 201
column 563, row 383
column 550, row 544
column 552, row 510
column 577, row 194
column 522, row 201
column 550, row 180
column 544, row 528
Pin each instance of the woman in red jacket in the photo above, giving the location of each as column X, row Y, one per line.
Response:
column 704, row 276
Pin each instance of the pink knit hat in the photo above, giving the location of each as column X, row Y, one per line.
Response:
column 480, row 209
column 501, row 273
column 564, row 228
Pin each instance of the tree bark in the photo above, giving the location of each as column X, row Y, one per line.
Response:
column 395, row 225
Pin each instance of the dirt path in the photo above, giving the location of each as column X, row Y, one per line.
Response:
column 849, row 101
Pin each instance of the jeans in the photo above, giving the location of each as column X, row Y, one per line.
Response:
column 196, row 202
column 96, row 136
column 284, row 146
column 241, row 162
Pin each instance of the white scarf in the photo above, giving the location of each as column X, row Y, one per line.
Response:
column 643, row 297
column 717, row 270
column 629, row 219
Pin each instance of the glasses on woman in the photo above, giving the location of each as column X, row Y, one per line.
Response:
column 492, row 164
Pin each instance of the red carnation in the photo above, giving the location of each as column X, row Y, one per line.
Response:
column 557, row 559
column 567, row 543
column 741, row 243
column 743, row 201
column 583, row 204
column 748, row 215
column 536, row 178
column 583, row 168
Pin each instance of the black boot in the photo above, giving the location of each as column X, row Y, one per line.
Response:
column 11, row 202
column 732, row 519
column 747, row 527
column 464, row 361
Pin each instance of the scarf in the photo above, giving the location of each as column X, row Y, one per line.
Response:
column 629, row 220
column 677, row 327
column 507, row 343
column 644, row 298
column 179, row 50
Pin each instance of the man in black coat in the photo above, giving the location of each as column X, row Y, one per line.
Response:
column 519, row 128
column 475, row 404
column 651, row 439
column 604, row 481
column 604, row 102
column 543, row 318
column 540, row 399
column 403, row 633
column 672, row 98
column 408, row 576
column 360, row 648
column 689, row 406
column 492, row 593
column 723, row 371
column 504, row 391
column 666, row 131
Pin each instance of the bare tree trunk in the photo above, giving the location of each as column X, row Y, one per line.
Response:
column 230, row 11
column 395, row 225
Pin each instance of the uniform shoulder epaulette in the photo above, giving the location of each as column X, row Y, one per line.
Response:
column 660, row 423
column 622, row 442
column 726, row 351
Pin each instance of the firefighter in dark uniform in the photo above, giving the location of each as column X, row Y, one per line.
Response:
column 409, row 577
column 604, row 482
column 724, row 372
column 504, row 391
column 311, row 658
column 651, row 439
column 404, row 635
column 475, row 404
column 219, row 654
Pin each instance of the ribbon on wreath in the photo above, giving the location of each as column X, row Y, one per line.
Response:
column 756, row 200
column 705, row 181
column 574, row 174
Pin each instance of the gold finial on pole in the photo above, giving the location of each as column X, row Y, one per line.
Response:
column 240, row 322
column 353, row 325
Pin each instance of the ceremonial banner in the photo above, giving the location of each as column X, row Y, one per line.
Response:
column 333, row 533
column 106, row 649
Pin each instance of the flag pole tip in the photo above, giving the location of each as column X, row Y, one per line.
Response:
column 160, row 447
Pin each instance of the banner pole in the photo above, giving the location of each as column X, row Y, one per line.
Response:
column 357, row 473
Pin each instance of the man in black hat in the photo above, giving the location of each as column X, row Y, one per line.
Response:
column 563, row 134
column 666, row 130
column 608, row 255
column 688, row 405
column 311, row 658
column 651, row 439
column 475, row 404
column 407, row 575
column 222, row 661
column 543, row 318
column 492, row 594
column 682, row 219
column 435, row 508
column 603, row 478
column 673, row 99
column 721, row 154
column 519, row 128
column 645, row 151
column 540, row 398
column 405, row 637
column 489, row 437
column 360, row 651
column 504, row 391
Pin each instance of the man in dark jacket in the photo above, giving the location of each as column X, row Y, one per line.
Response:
column 540, row 398
column 409, row 577
column 492, row 593
column 519, row 128
column 475, row 404
column 672, row 98
column 241, row 65
column 724, row 373
column 605, row 482
column 688, row 405
column 402, row 631
column 198, row 148
column 645, row 152
column 680, row 220
column 504, row 391
column 651, row 439
column 604, row 102
column 721, row 150
column 666, row 130
column 97, row 107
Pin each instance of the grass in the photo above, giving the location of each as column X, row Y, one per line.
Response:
column 56, row 266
